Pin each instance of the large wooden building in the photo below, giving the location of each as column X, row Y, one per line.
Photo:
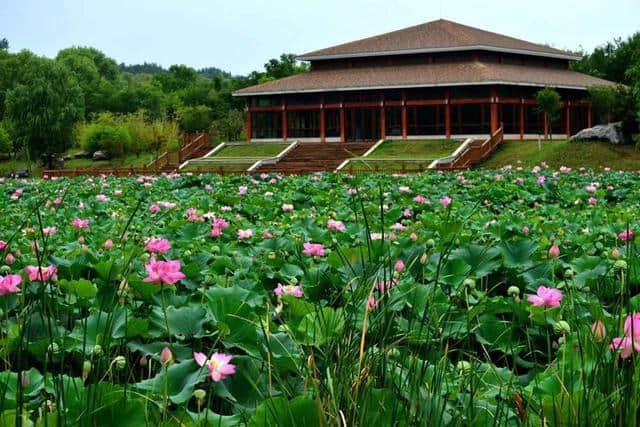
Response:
column 436, row 80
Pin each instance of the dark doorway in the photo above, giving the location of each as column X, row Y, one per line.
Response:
column 362, row 124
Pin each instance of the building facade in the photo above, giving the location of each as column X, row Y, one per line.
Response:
column 435, row 80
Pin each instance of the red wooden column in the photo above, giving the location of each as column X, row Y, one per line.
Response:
column 447, row 115
column 247, row 125
column 284, row 119
column 589, row 117
column 568, row 118
column 342, row 135
column 494, row 110
column 404, row 114
column 323, row 120
column 383, row 119
column 521, row 119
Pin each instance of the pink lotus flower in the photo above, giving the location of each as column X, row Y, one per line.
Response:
column 108, row 244
column 546, row 297
column 525, row 229
column 57, row 201
column 10, row 259
column 208, row 187
column 41, row 274
column 267, row 235
column 3, row 245
column 407, row 213
column 287, row 208
column 102, row 198
column 117, row 192
column 631, row 341
column 372, row 304
column 217, row 226
column 398, row 227
column 245, row 234
column 295, row 291
column 242, row 190
column 554, row 251
column 154, row 208
column 49, row 231
column 626, row 345
column 399, row 266
column 218, row 365
column 541, row 179
column 80, row 223
column 9, row 284
column 192, row 215
column 413, row 236
column 592, row 200
column 420, row 199
column 335, row 225
column 445, row 201
column 626, row 235
column 313, row 249
column 158, row 246
column 167, row 272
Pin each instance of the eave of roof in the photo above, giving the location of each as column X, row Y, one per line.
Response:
column 424, row 75
column 439, row 50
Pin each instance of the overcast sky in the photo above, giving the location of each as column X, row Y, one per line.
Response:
column 241, row 35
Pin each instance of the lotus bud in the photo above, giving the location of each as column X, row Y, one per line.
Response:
column 166, row 357
column 86, row 370
column 554, row 251
column 120, row 362
column 562, row 327
column 24, row 380
column 424, row 258
column 399, row 266
column 199, row 394
column 97, row 350
column 598, row 330
column 81, row 239
column 615, row 253
column 143, row 361
column 10, row 259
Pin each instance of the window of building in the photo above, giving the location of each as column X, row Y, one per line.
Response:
column 266, row 125
column 303, row 124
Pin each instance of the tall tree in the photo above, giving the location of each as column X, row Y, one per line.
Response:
column 45, row 107
column 549, row 103
column 4, row 44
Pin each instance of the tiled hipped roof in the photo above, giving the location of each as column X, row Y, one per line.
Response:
column 435, row 36
column 424, row 75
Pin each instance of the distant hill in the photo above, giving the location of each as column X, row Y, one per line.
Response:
column 153, row 68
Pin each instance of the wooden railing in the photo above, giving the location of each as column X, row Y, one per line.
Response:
column 198, row 142
column 471, row 153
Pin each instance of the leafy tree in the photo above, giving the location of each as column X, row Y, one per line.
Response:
column 194, row 119
column 178, row 77
column 146, row 68
column 96, row 74
column 549, row 103
column 287, row 65
column 228, row 128
column 5, row 141
column 45, row 107
column 603, row 99
column 4, row 44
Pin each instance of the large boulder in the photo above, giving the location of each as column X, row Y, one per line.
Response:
column 611, row 132
column 82, row 155
column 100, row 155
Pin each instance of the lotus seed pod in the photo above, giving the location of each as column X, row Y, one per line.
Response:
column 469, row 283
column 463, row 367
column 199, row 394
column 431, row 243
column 272, row 255
column 620, row 264
column 568, row 273
column 562, row 327
column 120, row 362
column 513, row 291
column 54, row 348
column 187, row 253
column 97, row 350
column 5, row 269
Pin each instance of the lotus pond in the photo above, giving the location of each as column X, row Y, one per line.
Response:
column 483, row 298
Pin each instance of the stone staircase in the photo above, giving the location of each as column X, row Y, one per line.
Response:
column 310, row 157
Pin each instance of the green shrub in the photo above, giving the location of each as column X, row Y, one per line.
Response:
column 195, row 119
column 110, row 138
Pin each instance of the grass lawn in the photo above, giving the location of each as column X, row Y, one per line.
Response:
column 128, row 161
column 9, row 166
column 424, row 149
column 217, row 167
column 362, row 165
column 253, row 150
column 593, row 155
